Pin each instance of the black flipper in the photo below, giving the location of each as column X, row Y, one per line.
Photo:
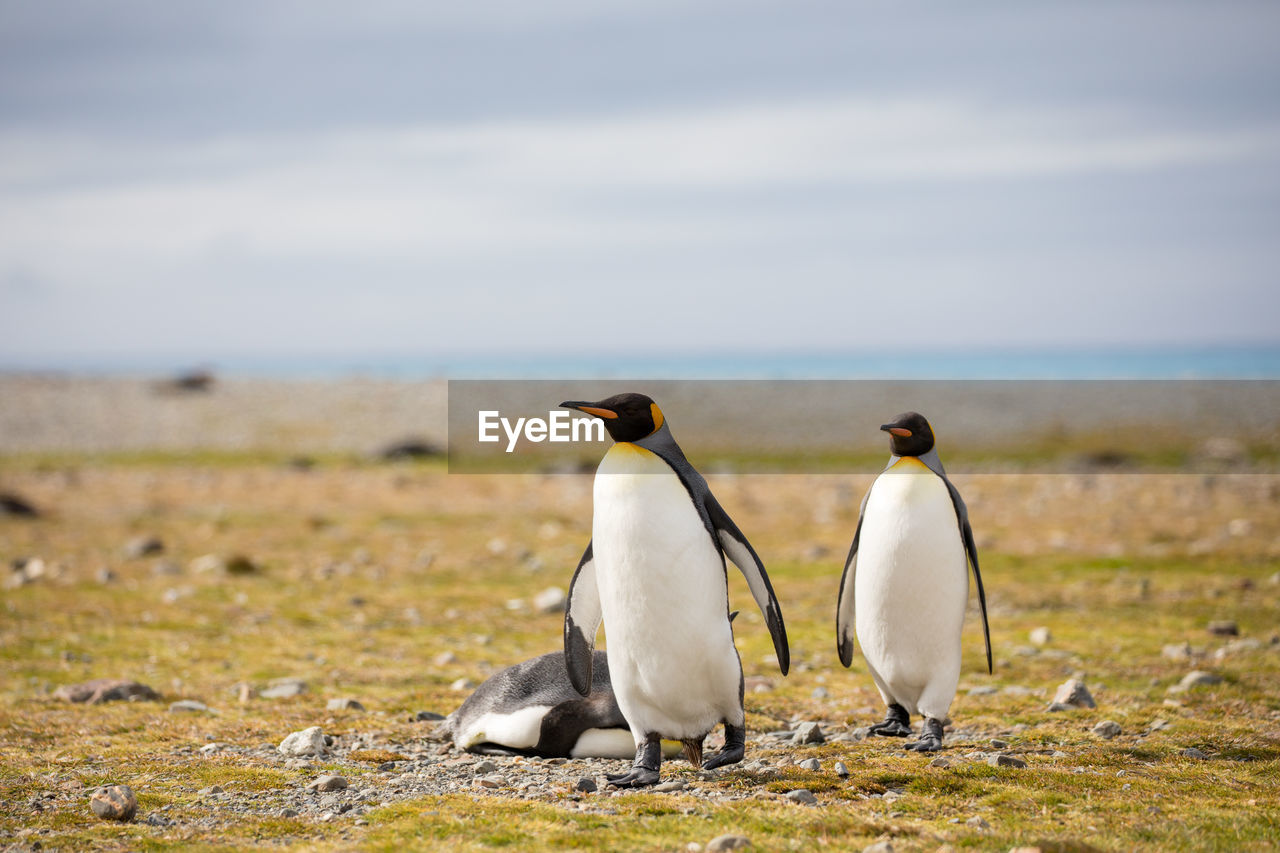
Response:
column 739, row 550
column 844, row 606
column 565, row 723
column 582, row 618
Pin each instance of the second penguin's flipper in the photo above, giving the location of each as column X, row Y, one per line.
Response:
column 739, row 550
column 582, row 618
column 844, row 606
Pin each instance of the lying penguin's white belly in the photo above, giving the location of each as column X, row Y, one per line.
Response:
column 911, row 588
column 663, row 596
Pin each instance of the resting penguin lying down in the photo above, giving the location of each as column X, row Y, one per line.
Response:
column 532, row 709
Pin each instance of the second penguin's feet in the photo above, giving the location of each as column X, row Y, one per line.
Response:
column 896, row 723
column 930, row 737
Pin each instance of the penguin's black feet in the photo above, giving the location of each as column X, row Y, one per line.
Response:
column 930, row 737
column 644, row 772
column 733, row 751
column 896, row 723
column 639, row 777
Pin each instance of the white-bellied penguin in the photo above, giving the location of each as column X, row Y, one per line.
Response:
column 905, row 585
column 655, row 574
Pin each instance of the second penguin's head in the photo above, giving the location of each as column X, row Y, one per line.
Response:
column 627, row 417
column 910, row 434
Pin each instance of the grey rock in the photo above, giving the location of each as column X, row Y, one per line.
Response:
column 803, row 796
column 1192, row 752
column 1196, row 678
column 485, row 766
column 977, row 823
column 288, row 813
column 1005, row 760
column 820, row 693
column 491, row 781
column 670, row 787
column 1073, row 693
column 114, row 802
column 996, row 743
column 211, row 790
column 302, row 743
column 1177, row 651
column 105, row 690
column 346, row 704
column 586, row 785
column 550, row 600
column 143, row 546
column 328, row 783
column 189, row 705
column 727, row 842
column 810, row 764
column 1041, row 636
column 940, row 762
column 884, row 846
column 1060, row 706
column 1224, row 628
column 983, row 690
column 1107, row 729
column 427, row 717
column 808, row 733
column 841, row 770
column 284, row 688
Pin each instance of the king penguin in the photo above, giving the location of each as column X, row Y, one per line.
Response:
column 655, row 574
column 905, row 585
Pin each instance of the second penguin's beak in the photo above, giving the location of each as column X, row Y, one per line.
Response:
column 589, row 408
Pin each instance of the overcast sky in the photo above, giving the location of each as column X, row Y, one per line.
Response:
column 200, row 179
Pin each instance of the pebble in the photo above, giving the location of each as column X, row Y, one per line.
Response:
column 1041, row 636
column 328, row 783
column 346, row 704
column 810, row 764
column 1073, row 694
column 670, row 787
column 550, row 600
column 445, row 659
column 306, row 742
column 984, row 690
column 727, row 842
column 586, row 785
column 884, row 846
column 1224, row 628
column 1196, row 678
column 808, row 733
column 940, row 762
column 427, row 717
column 491, row 781
column 1177, row 651
column 841, row 770
column 1192, row 752
column 485, row 766
column 188, row 705
column 1107, row 729
column 820, row 693
column 114, row 802
column 143, row 546
column 462, row 684
column 996, row 743
column 284, row 688
column 977, row 823
column 211, row 790
column 803, row 796
column 1005, row 760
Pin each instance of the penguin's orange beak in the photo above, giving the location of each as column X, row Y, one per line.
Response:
column 900, row 432
column 582, row 406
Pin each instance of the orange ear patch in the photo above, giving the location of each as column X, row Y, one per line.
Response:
column 657, row 416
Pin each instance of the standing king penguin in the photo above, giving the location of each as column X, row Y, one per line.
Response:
column 654, row 573
column 905, row 585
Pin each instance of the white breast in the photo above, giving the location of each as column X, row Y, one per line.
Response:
column 663, row 595
column 911, row 586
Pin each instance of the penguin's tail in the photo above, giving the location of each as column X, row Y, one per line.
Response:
column 693, row 750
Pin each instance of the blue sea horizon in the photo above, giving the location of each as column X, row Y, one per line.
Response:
column 1223, row 362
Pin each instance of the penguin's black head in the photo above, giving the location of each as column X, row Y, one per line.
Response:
column 909, row 434
column 627, row 417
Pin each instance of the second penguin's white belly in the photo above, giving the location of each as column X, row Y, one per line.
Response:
column 663, row 595
column 911, row 587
